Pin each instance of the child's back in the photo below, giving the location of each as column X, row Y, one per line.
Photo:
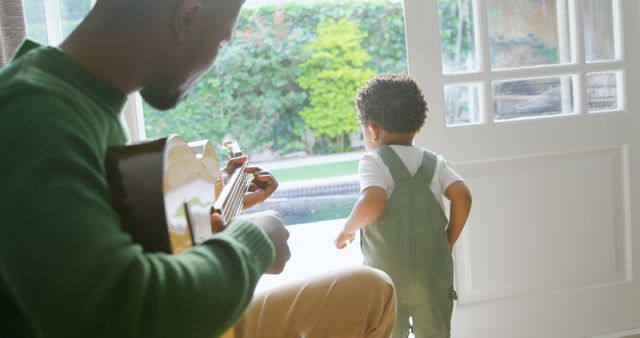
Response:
column 408, row 241
column 400, row 211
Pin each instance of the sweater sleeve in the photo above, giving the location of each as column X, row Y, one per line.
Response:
column 67, row 264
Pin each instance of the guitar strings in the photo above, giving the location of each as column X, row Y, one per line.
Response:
column 232, row 206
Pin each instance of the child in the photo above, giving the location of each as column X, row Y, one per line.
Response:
column 400, row 212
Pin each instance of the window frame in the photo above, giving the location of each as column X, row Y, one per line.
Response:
column 578, row 66
column 53, row 21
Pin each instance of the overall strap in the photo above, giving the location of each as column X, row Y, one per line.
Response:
column 394, row 163
column 428, row 167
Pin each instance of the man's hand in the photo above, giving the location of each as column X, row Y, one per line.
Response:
column 231, row 166
column 261, row 187
column 272, row 224
column 217, row 223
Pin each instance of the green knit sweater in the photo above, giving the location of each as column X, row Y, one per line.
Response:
column 66, row 267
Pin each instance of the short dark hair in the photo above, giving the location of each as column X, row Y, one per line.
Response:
column 393, row 101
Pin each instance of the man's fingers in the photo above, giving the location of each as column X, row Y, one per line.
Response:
column 235, row 162
column 265, row 178
column 238, row 160
column 252, row 170
column 217, row 223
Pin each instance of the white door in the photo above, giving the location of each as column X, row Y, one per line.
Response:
column 537, row 105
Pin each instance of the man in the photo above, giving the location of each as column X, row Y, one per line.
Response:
column 66, row 267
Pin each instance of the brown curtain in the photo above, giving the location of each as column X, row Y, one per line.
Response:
column 12, row 28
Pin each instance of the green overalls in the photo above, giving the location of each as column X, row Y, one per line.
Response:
column 408, row 241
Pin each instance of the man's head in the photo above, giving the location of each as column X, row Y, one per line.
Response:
column 181, row 39
column 393, row 102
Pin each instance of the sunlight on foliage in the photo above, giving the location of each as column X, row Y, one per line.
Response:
column 331, row 76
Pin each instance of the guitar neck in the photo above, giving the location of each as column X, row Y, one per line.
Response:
column 229, row 203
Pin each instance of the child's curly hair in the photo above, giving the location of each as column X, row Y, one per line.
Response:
column 393, row 101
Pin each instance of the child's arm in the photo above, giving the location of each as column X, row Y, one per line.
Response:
column 368, row 207
column 460, row 197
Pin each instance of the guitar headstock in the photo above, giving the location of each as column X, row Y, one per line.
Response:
column 233, row 148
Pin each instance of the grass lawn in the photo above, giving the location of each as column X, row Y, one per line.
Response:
column 316, row 171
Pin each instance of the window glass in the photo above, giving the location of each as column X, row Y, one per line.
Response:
column 462, row 104
column 36, row 22
column 599, row 37
column 284, row 88
column 457, row 36
column 291, row 71
column 533, row 97
column 602, row 91
column 72, row 12
column 524, row 33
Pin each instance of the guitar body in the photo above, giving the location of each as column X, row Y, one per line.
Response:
column 163, row 191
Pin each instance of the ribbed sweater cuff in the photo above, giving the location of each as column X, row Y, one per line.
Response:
column 255, row 239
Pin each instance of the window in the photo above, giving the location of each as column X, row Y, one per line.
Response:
column 266, row 76
column 534, row 59
column 463, row 101
column 284, row 87
column 50, row 21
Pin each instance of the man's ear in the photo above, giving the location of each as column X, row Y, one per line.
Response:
column 186, row 14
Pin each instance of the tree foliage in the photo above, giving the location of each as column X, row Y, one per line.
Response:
column 331, row 75
column 456, row 32
column 252, row 94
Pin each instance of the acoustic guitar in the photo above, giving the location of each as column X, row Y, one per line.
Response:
column 166, row 190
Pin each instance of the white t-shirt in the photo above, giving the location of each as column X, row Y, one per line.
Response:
column 373, row 171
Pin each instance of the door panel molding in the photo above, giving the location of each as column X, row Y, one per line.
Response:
column 545, row 184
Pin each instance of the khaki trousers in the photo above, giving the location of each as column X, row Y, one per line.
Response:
column 348, row 303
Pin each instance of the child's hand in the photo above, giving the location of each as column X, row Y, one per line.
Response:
column 344, row 239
